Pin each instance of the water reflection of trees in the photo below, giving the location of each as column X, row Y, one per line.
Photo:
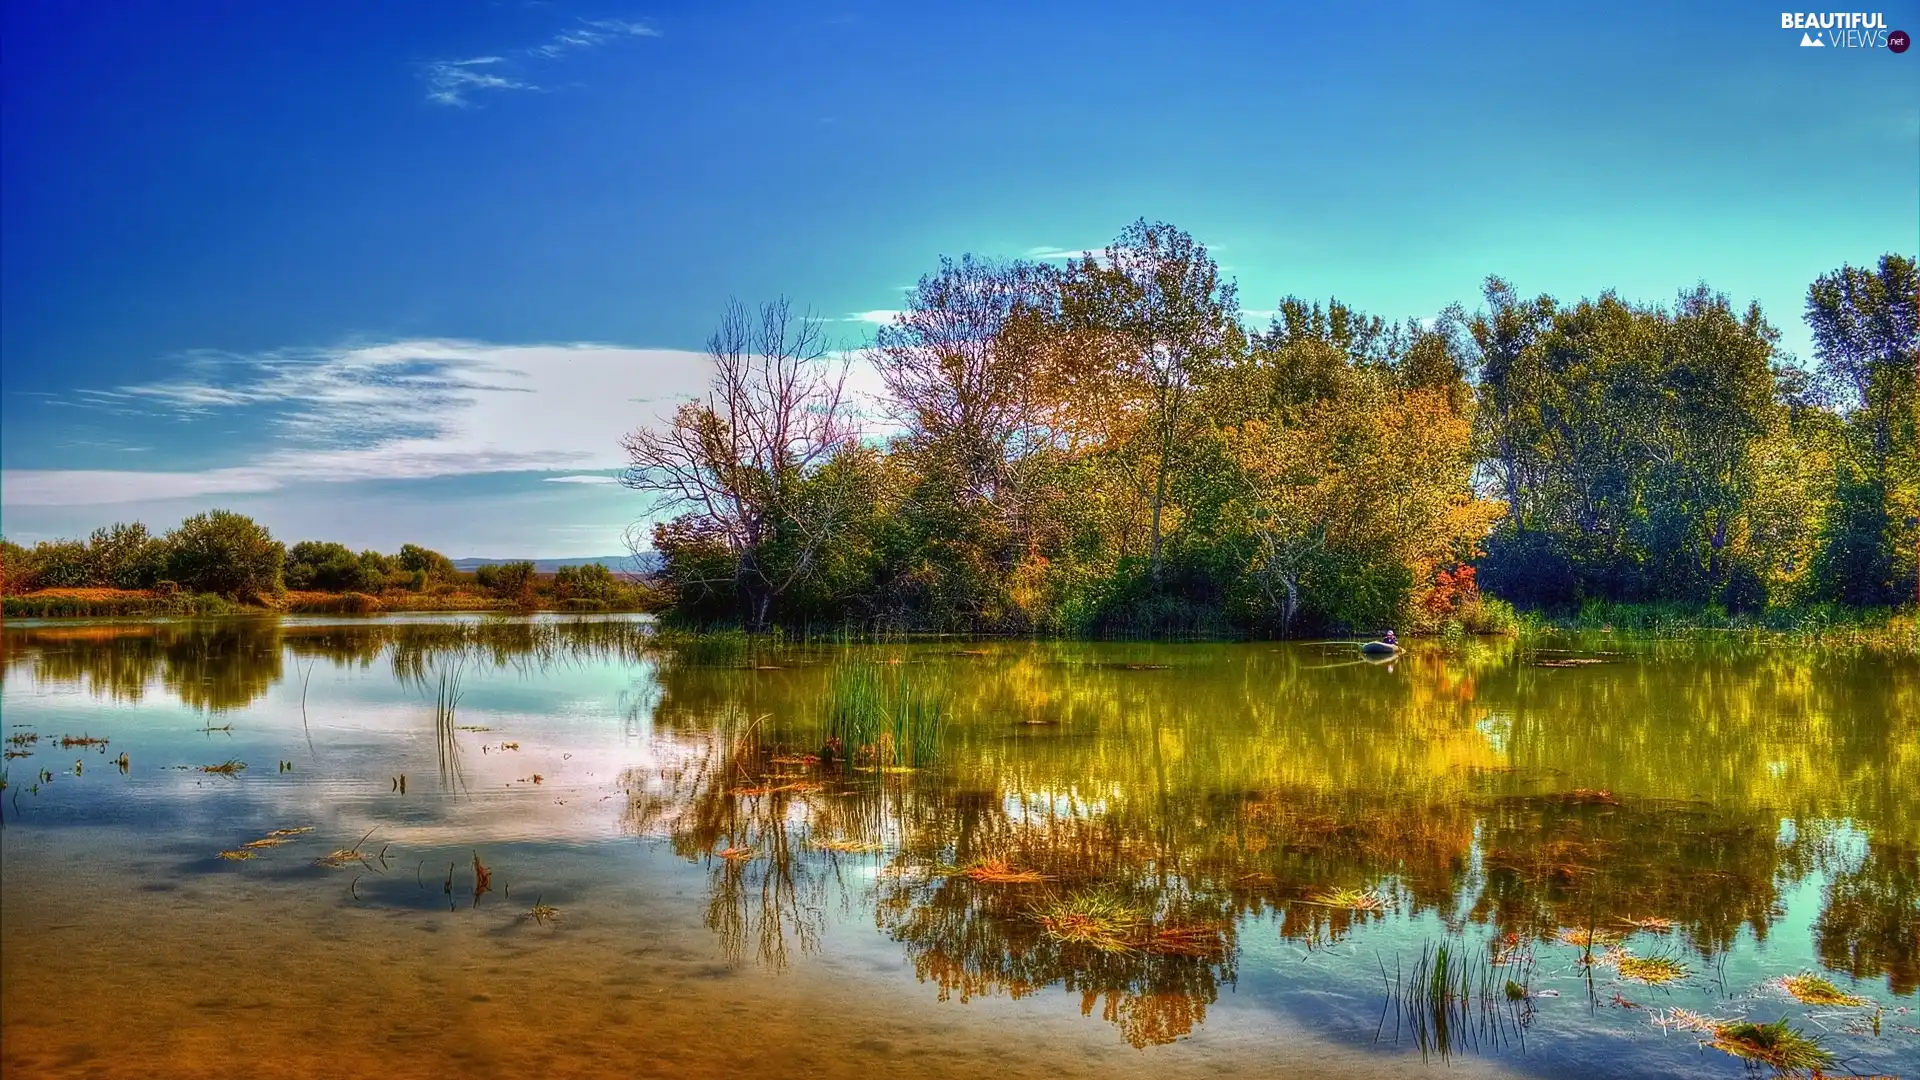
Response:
column 218, row 665
column 1487, row 793
column 1224, row 781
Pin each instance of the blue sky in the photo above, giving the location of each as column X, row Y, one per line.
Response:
column 381, row 273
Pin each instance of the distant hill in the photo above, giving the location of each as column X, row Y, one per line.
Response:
column 619, row 564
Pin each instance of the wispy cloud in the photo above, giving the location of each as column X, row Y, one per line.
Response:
column 455, row 82
column 590, row 34
column 400, row 411
column 589, row 478
column 877, row 317
column 1050, row 253
column 452, row 82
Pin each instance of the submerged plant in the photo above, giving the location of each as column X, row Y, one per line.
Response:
column 1774, row 1044
column 1810, row 989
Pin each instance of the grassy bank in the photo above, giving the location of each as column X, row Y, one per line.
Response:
column 1826, row 625
column 147, row 603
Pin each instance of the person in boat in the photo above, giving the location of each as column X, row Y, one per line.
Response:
column 1391, row 640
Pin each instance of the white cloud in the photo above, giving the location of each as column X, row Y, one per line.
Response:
column 590, row 478
column 449, row 82
column 590, row 34
column 1047, row 253
column 398, row 411
column 454, row 82
column 878, row 316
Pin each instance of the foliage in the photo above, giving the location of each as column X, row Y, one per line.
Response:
column 225, row 553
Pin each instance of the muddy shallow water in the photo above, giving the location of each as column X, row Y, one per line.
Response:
column 1113, row 859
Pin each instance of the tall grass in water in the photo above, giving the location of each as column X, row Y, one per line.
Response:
column 1453, row 998
column 445, row 734
column 886, row 716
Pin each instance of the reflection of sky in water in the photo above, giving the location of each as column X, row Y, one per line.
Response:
column 1474, row 794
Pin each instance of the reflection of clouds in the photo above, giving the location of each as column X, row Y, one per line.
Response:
column 364, row 737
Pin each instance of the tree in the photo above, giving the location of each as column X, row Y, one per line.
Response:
column 589, row 582
column 226, row 553
column 735, row 464
column 126, row 556
column 1156, row 298
column 436, row 568
column 324, row 566
column 509, row 580
column 1866, row 335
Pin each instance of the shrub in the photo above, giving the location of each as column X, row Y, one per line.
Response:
column 225, row 553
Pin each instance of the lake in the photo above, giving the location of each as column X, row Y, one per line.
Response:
column 542, row 847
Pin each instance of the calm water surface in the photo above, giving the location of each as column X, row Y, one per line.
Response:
column 1278, row 835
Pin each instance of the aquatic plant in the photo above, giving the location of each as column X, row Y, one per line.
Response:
column 1095, row 918
column 1651, row 970
column 1774, row 1044
column 887, row 717
column 236, row 855
column 543, row 913
column 1001, row 872
column 1811, row 989
column 447, row 743
column 1452, row 997
column 1350, row 900
column 1586, row 938
column 228, row 767
column 68, row 742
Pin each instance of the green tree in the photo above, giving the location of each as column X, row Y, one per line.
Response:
column 418, row 560
column 126, row 556
column 226, row 553
column 1866, row 339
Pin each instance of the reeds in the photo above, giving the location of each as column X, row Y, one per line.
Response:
column 888, row 717
column 446, row 739
column 1452, row 998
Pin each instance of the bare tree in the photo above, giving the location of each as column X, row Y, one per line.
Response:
column 738, row 465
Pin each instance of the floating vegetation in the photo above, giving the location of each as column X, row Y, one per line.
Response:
column 1651, row 970
column 1774, row 1044
column 848, row 847
column 1350, row 900
column 1650, row 925
column 737, row 854
column 25, row 738
column 543, row 913
column 238, row 855
column 474, row 727
column 344, row 856
column 999, row 871
column 1097, row 919
column 68, row 742
column 1810, row 989
column 228, row 767
column 1587, row 938
column 11, row 754
column 1684, row 1020
column 1515, row 991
